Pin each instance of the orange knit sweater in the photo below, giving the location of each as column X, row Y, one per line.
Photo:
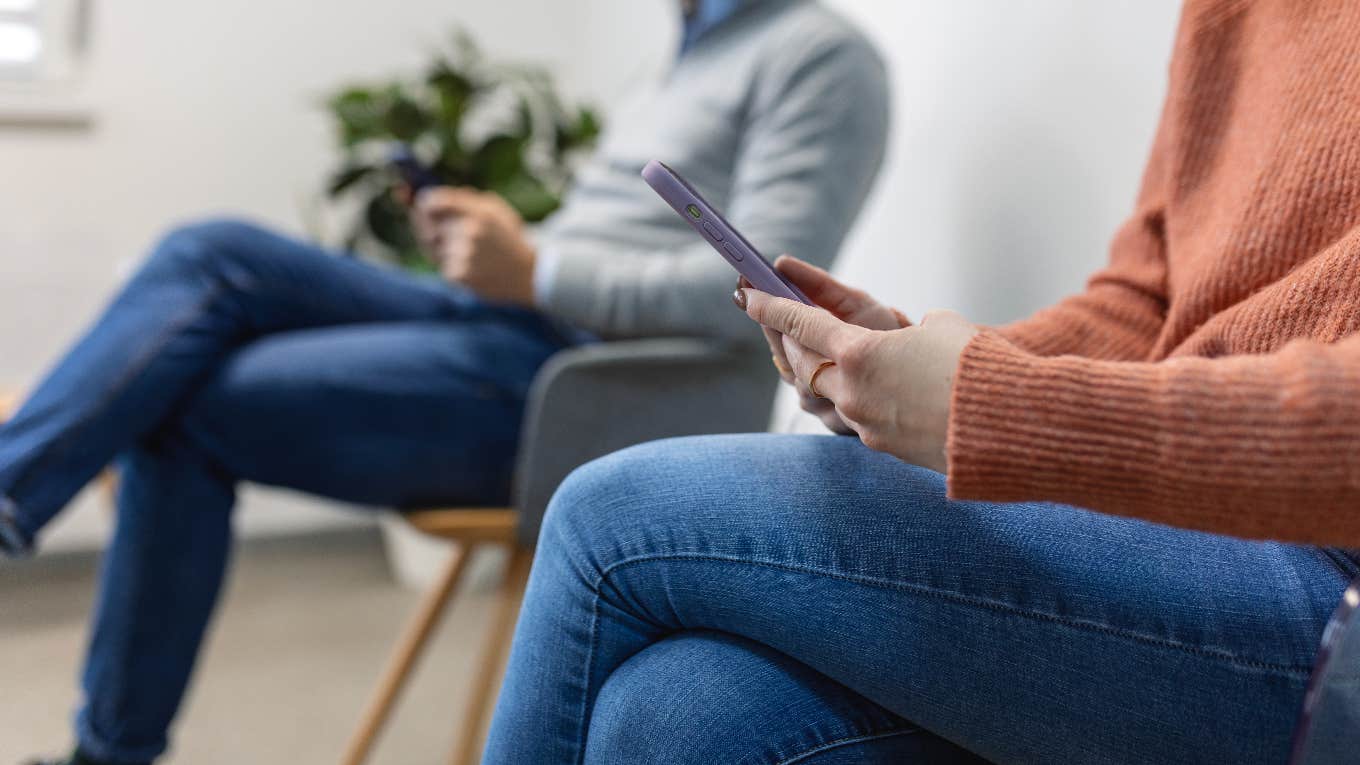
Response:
column 1209, row 377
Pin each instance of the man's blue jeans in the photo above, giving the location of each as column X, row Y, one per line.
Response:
column 236, row 354
column 801, row 599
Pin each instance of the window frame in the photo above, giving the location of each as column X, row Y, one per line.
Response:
column 33, row 16
column 53, row 91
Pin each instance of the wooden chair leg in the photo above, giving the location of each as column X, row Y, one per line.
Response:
column 412, row 643
column 468, row 748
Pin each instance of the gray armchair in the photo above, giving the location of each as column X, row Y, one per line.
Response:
column 593, row 400
column 585, row 403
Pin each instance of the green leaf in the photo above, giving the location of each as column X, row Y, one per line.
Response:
column 403, row 118
column 359, row 114
column 347, row 177
column 453, row 91
column 588, row 125
column 524, row 120
column 530, row 198
column 454, row 167
column 415, row 260
column 388, row 223
column 498, row 161
column 580, row 133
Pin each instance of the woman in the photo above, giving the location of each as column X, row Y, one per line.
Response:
column 1082, row 587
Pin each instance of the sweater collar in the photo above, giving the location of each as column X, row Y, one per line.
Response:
column 706, row 16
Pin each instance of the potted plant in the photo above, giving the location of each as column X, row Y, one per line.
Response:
column 473, row 122
column 492, row 126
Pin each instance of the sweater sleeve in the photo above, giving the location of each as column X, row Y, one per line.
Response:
column 815, row 137
column 1262, row 446
column 1121, row 313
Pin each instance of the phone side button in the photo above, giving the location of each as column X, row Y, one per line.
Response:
column 734, row 252
column 713, row 232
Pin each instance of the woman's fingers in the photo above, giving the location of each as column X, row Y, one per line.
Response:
column 778, row 356
column 805, row 364
column 776, row 343
column 813, row 328
column 848, row 304
column 821, row 287
column 823, row 409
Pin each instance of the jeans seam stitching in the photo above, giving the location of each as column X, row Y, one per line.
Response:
column 584, row 717
column 836, row 744
column 77, row 428
column 969, row 600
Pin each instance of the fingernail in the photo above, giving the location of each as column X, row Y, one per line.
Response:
column 739, row 297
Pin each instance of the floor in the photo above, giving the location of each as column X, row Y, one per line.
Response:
column 304, row 629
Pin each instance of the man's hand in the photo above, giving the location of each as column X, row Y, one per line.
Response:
column 891, row 387
column 846, row 303
column 476, row 240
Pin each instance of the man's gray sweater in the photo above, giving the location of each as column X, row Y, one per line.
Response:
column 778, row 116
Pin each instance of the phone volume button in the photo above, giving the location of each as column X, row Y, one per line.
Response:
column 713, row 232
column 734, row 252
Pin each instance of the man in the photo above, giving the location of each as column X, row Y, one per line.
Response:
column 238, row 354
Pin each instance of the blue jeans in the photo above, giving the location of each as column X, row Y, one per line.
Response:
column 802, row 599
column 237, row 354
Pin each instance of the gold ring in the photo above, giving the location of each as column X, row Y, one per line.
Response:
column 783, row 370
column 812, row 382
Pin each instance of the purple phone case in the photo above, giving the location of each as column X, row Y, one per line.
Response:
column 719, row 233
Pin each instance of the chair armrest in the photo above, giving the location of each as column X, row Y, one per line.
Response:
column 590, row 401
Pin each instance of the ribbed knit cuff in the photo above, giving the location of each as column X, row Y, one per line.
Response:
column 1062, row 429
column 1252, row 446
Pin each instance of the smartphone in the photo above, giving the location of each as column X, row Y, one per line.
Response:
column 711, row 225
column 413, row 172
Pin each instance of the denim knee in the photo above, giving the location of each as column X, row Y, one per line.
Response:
column 615, row 496
column 651, row 498
column 192, row 248
column 647, row 710
column 709, row 697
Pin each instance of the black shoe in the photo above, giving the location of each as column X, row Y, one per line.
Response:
column 13, row 543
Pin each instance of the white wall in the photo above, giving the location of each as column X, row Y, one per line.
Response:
column 1020, row 135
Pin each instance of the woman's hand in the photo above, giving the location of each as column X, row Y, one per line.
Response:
column 892, row 387
column 846, row 303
